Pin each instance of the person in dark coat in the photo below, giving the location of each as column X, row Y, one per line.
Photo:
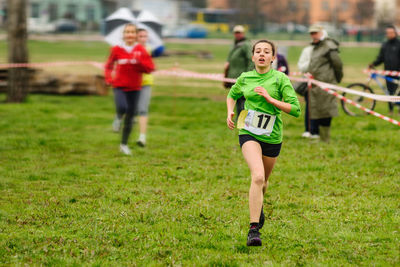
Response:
column 389, row 55
column 238, row 61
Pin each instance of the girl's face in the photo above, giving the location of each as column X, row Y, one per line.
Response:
column 142, row 37
column 130, row 34
column 263, row 55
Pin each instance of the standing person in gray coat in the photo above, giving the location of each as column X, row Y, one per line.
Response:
column 238, row 61
column 326, row 66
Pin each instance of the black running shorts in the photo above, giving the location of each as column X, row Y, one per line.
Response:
column 268, row 150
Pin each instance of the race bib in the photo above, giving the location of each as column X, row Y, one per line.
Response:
column 256, row 122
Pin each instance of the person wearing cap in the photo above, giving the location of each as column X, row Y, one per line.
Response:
column 389, row 55
column 325, row 66
column 301, row 87
column 238, row 61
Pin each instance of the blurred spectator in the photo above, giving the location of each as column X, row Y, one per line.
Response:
column 304, row 59
column 326, row 66
column 301, row 88
column 239, row 60
column 281, row 64
column 389, row 55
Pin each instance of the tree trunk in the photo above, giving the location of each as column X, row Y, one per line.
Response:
column 18, row 78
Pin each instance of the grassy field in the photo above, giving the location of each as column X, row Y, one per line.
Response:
column 68, row 197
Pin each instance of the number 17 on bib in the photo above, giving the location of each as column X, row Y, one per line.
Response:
column 259, row 123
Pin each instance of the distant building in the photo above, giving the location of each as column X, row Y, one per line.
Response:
column 218, row 4
column 88, row 13
column 339, row 12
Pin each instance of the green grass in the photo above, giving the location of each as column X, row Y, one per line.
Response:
column 68, row 197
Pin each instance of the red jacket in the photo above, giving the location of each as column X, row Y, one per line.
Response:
column 124, row 69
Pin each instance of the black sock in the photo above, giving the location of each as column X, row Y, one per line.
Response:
column 253, row 225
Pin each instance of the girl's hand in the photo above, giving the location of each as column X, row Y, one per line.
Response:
column 229, row 120
column 262, row 92
column 109, row 81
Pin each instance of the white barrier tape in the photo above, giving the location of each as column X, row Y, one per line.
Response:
column 295, row 73
column 98, row 65
column 191, row 74
column 323, row 86
column 376, row 114
column 210, row 76
column 384, row 98
column 218, row 77
column 349, row 101
column 384, row 72
column 367, row 71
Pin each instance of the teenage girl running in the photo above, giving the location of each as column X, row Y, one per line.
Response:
column 268, row 92
column 145, row 93
column 123, row 71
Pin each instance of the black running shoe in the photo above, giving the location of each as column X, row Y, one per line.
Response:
column 262, row 219
column 253, row 238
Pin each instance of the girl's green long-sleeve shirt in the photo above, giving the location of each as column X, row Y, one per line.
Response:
column 278, row 86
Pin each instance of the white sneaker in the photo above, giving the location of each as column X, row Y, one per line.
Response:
column 306, row 135
column 116, row 125
column 142, row 140
column 125, row 149
column 314, row 136
column 141, row 143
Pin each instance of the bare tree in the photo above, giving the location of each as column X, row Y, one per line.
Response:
column 277, row 11
column 365, row 11
column 17, row 51
column 249, row 13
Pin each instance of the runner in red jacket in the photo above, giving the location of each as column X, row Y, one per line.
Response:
column 123, row 70
column 128, row 67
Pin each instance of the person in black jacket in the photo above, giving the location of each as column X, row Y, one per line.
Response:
column 389, row 55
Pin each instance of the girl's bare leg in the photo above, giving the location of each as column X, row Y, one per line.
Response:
column 143, row 124
column 268, row 166
column 252, row 153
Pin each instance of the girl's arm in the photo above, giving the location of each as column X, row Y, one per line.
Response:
column 230, row 105
column 109, row 67
column 235, row 93
column 290, row 103
column 286, row 107
column 146, row 62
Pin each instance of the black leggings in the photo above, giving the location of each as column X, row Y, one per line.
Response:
column 392, row 87
column 309, row 125
column 320, row 122
column 126, row 103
